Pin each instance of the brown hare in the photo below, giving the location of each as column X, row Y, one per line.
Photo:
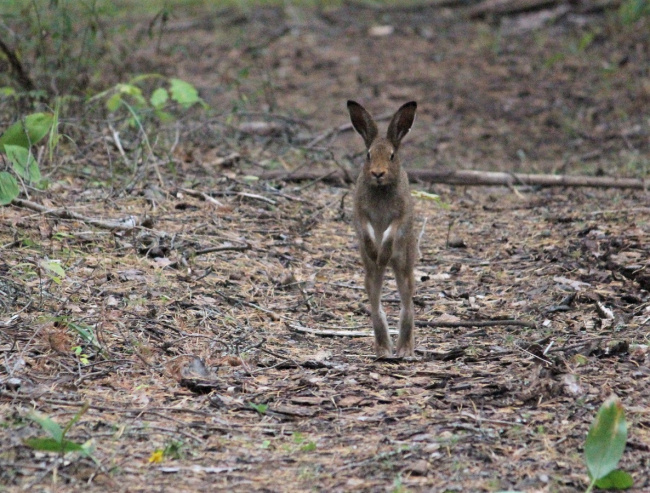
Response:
column 383, row 218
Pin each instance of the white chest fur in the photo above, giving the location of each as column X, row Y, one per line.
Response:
column 384, row 237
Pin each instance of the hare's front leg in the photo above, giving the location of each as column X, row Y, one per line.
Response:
column 403, row 268
column 373, row 281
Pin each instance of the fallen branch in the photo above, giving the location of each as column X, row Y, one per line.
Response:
column 475, row 323
column 473, row 178
column 21, row 74
column 334, row 333
column 205, row 251
column 434, row 323
column 508, row 7
column 202, row 195
column 126, row 224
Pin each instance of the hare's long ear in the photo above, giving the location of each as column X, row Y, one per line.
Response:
column 401, row 123
column 362, row 122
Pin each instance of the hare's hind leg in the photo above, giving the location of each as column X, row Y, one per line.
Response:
column 405, row 285
column 374, row 279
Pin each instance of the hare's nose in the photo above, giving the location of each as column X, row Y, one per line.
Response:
column 378, row 174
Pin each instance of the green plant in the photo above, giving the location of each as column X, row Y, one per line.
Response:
column 78, row 352
column 631, row 11
column 260, row 408
column 15, row 144
column 53, row 269
column 61, row 43
column 132, row 98
column 605, row 445
column 304, row 445
column 174, row 449
column 57, row 442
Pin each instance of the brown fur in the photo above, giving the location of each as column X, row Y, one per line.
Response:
column 383, row 200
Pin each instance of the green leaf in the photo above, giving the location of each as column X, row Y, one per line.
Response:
column 23, row 162
column 76, row 417
column 606, row 439
column 615, row 480
column 8, row 188
column 86, row 333
column 159, row 98
column 308, row 447
column 134, row 91
column 164, row 117
column 183, row 93
column 260, row 408
column 114, row 102
column 631, row 11
column 51, row 445
column 48, row 425
column 7, row 91
column 28, row 131
column 53, row 266
column 421, row 194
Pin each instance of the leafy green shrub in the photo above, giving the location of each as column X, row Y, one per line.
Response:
column 57, row 44
column 15, row 145
column 131, row 97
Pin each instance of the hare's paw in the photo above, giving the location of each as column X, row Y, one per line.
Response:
column 405, row 351
column 383, row 351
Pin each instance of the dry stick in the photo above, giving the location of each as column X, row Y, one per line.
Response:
column 205, row 251
column 21, row 75
column 334, row 333
column 475, row 178
column 476, row 323
column 127, row 224
column 435, row 323
column 202, row 195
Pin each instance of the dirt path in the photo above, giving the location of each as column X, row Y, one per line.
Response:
column 204, row 361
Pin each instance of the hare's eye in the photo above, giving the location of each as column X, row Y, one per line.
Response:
column 392, row 155
column 368, row 156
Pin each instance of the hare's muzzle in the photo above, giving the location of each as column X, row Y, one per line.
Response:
column 378, row 176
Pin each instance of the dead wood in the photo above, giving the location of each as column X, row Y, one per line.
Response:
column 205, row 251
column 476, row 323
column 433, row 323
column 21, row 74
column 474, row 178
column 508, row 7
column 126, row 224
column 502, row 8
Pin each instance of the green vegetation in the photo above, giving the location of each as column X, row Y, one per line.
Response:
column 57, row 442
column 604, row 447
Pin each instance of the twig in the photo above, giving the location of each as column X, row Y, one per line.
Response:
column 435, row 323
column 205, row 251
column 313, row 182
column 476, row 178
column 479, row 419
column 475, row 323
column 21, row 75
column 127, row 224
column 334, row 333
column 204, row 196
column 257, row 197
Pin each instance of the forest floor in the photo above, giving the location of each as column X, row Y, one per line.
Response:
column 198, row 339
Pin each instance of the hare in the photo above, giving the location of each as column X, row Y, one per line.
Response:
column 383, row 219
